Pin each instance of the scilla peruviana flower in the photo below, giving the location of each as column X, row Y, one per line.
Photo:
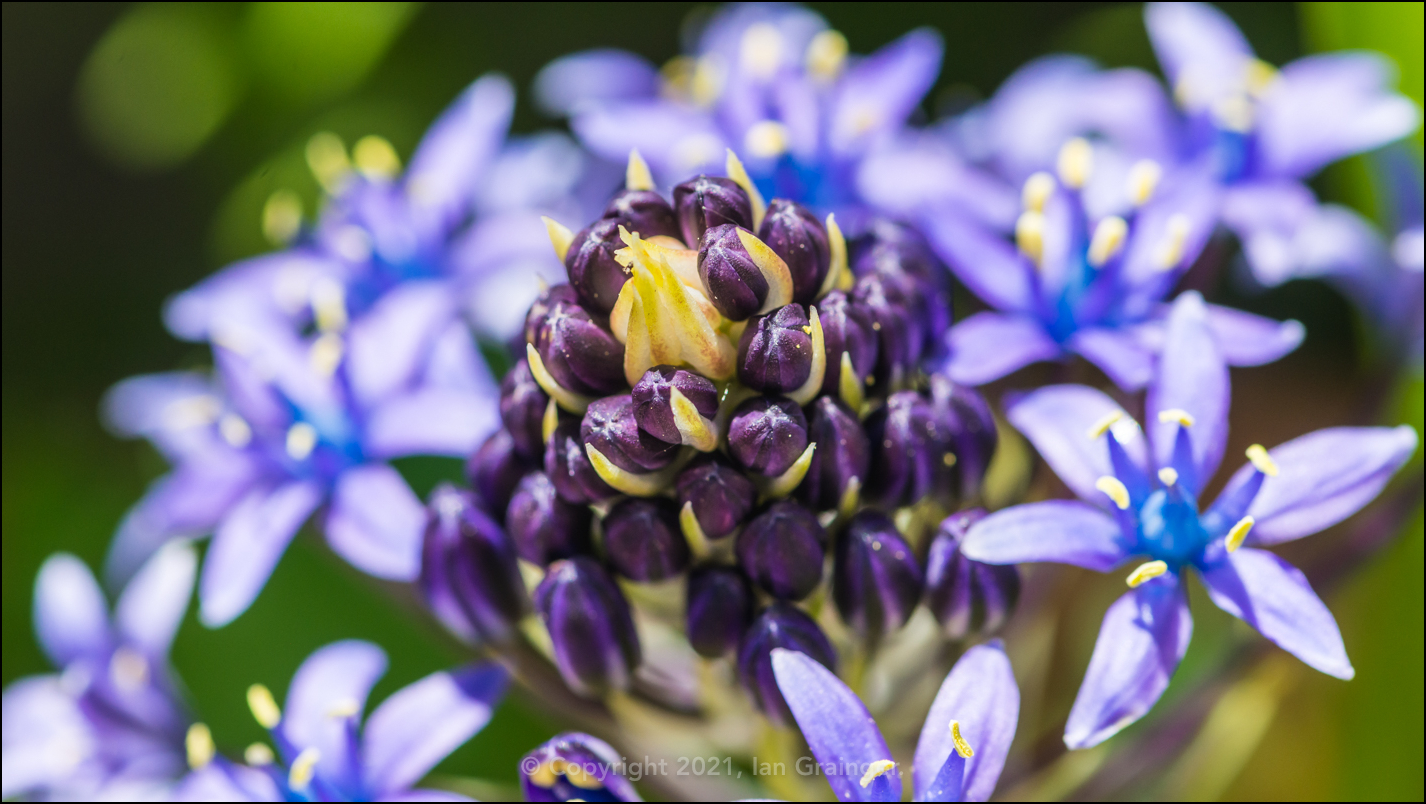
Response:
column 1143, row 499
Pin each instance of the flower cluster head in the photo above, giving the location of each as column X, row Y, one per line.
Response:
column 1141, row 489
column 684, row 408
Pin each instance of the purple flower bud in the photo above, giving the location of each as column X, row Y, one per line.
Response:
column 900, row 335
column 900, row 256
column 581, row 355
column 876, row 581
column 644, row 212
column 735, row 284
column 780, row 625
column 610, row 427
column 842, row 453
column 468, row 573
column 972, row 431
column 795, row 235
column 782, row 549
column 643, row 540
column 912, row 454
column 596, row 647
column 846, row 327
column 720, row 604
column 721, row 496
column 596, row 276
column 653, row 400
column 567, row 465
column 767, row 435
column 708, row 201
column 555, row 294
column 967, row 597
column 544, row 526
column 575, row 767
column 522, row 409
column 894, row 248
column 495, row 469
column 775, row 353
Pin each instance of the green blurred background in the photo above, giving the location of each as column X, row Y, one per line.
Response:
column 140, row 143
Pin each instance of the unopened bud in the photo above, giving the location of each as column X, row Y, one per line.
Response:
column 522, row 410
column 610, row 426
column 704, row 202
column 567, row 465
column 595, row 645
column 643, row 541
column 782, row 549
column 495, row 469
column 581, row 355
column 767, row 435
column 967, row 597
column 653, row 400
column 735, row 283
column 775, row 353
column 721, row 497
column 795, row 234
column 876, row 582
column 720, row 605
column 847, row 328
column 780, row 625
column 843, row 455
column 593, row 271
column 469, row 577
column 543, row 526
column 644, row 212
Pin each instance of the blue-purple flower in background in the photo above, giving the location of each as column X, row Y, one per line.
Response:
column 1143, row 499
column 770, row 81
column 292, row 422
column 1262, row 131
column 111, row 724
column 963, row 743
column 465, row 212
column 325, row 751
column 1108, row 221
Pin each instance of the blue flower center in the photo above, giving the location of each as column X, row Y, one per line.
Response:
column 1169, row 527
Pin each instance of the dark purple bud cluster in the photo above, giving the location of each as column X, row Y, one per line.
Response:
column 754, row 475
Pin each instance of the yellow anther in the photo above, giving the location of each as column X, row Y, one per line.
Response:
column 327, row 158
column 576, row 775
column 1144, row 180
column 1238, row 533
column 761, row 50
column 1144, row 572
column 128, row 669
column 1168, row 475
column 876, row 770
column 1258, row 76
column 375, row 158
column 1176, row 415
column 637, row 175
column 1234, row 113
column 544, row 775
column 258, row 755
column 1170, row 252
column 326, row 354
column 1030, row 235
column 962, row 747
column 766, row 139
column 199, row 744
column 1115, row 490
column 329, row 304
column 303, row 768
column 1037, row 191
column 281, row 217
column 707, row 83
column 1102, row 426
column 263, row 707
column 1262, row 461
column 301, row 440
column 1108, row 240
column 1075, row 162
column 346, row 707
column 826, row 54
column 234, row 430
